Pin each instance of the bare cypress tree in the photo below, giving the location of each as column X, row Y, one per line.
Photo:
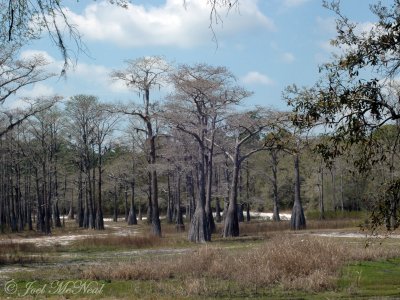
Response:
column 103, row 123
column 297, row 220
column 202, row 96
column 143, row 75
column 81, row 112
column 242, row 128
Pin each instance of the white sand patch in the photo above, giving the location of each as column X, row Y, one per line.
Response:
column 268, row 216
column 63, row 240
column 355, row 235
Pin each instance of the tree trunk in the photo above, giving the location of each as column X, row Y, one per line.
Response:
column 248, row 212
column 218, row 217
column 321, row 196
column 99, row 214
column 149, row 205
column 297, row 221
column 334, row 204
column 198, row 230
column 115, row 217
column 209, row 168
column 274, row 160
column 71, row 213
column 169, row 206
column 126, row 203
column 155, row 216
column 247, row 192
column 231, row 222
column 179, row 219
column 191, row 196
column 80, row 215
column 240, row 212
column 132, row 212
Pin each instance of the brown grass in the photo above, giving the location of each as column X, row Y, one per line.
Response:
column 128, row 241
column 294, row 262
column 12, row 253
column 265, row 227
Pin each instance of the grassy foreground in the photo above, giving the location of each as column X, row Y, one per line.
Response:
column 267, row 261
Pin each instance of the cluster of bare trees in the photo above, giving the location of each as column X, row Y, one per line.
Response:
column 195, row 142
column 202, row 118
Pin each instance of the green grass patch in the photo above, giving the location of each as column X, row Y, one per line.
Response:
column 372, row 278
column 331, row 215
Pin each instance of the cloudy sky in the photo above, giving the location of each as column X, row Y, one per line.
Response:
column 267, row 44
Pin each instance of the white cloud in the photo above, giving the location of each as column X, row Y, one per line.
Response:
column 170, row 24
column 36, row 90
column 31, row 53
column 255, row 77
column 287, row 57
column 294, row 3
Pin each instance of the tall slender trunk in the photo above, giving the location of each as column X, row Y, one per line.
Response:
column 321, row 195
column 99, row 214
column 71, row 212
column 126, row 209
column 218, row 217
column 247, row 192
column 132, row 212
column 191, row 196
column 209, row 168
column 115, row 217
column 80, row 216
column 155, row 215
column 334, row 202
column 341, row 191
column 240, row 196
column 179, row 219
column 297, row 221
column 274, row 165
column 169, row 204
column 231, row 222
column 149, row 204
column 198, row 230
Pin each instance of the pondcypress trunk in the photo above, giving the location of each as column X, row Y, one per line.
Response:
column 132, row 212
column 115, row 217
column 199, row 230
column 218, row 217
column 274, row 160
column 191, row 197
column 209, row 168
column 297, row 221
column 99, row 214
column 231, row 222
column 155, row 215
column 169, row 200
column 240, row 212
column 149, row 205
column 248, row 212
column 80, row 214
column 179, row 219
column 56, row 214
column 247, row 192
column 321, row 195
column 126, row 209
column 86, row 209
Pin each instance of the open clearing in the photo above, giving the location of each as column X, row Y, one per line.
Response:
column 266, row 261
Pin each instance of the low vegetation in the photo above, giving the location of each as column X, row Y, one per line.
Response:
column 267, row 260
column 289, row 261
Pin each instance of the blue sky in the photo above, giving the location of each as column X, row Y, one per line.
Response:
column 267, row 44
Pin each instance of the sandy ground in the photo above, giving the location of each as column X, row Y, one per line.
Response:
column 355, row 235
column 268, row 216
